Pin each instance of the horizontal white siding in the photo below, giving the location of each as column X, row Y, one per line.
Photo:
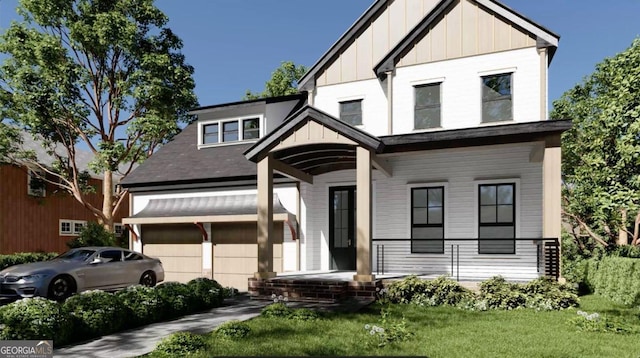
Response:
column 460, row 169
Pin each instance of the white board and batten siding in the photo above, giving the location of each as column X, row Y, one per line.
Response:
column 461, row 170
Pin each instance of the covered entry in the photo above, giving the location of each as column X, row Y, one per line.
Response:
column 211, row 236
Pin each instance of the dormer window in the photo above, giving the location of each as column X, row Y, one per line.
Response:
column 229, row 130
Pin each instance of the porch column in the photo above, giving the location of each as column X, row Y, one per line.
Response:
column 551, row 186
column 265, row 218
column 363, row 216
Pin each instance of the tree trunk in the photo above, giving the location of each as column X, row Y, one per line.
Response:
column 623, row 236
column 107, row 200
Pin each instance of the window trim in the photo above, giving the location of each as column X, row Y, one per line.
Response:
column 415, row 107
column 445, row 212
column 351, row 100
column 517, row 203
column 486, row 74
column 220, row 122
column 72, row 231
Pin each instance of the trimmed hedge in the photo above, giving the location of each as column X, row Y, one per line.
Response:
column 495, row 293
column 95, row 313
column 616, row 278
column 25, row 258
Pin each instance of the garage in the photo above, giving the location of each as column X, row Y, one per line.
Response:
column 178, row 246
column 235, row 252
column 212, row 236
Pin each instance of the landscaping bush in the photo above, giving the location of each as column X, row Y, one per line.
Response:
column 278, row 309
column 233, row 330
column 616, row 278
column 441, row 291
column 93, row 234
column 500, row 294
column 142, row 304
column 207, row 293
column 35, row 319
column 177, row 299
column 546, row 293
column 181, row 344
column 24, row 258
column 96, row 313
column 304, row 314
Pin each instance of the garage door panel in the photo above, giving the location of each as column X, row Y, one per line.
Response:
column 236, row 250
column 238, row 281
column 235, row 265
column 178, row 246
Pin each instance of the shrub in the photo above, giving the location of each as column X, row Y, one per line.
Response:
column 207, row 293
column 616, row 278
column 35, row 319
column 594, row 322
column 228, row 292
column 404, row 290
column 278, row 309
column 96, row 313
column 24, row 258
column 233, row 330
column 93, row 234
column 181, row 344
column 142, row 304
column 441, row 291
column 177, row 299
column 387, row 330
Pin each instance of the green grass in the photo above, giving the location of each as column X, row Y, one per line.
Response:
column 441, row 332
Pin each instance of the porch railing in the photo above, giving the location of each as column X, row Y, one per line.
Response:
column 469, row 258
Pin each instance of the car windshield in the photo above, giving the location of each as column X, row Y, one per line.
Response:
column 76, row 255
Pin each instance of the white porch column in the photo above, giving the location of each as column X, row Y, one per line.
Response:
column 552, row 192
column 265, row 218
column 363, row 216
column 207, row 253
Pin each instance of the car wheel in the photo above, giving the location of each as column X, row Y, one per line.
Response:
column 148, row 279
column 61, row 287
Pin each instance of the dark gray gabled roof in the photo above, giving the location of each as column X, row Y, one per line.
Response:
column 181, row 161
column 545, row 37
column 311, row 113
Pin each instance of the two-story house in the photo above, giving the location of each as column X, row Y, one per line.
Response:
column 36, row 216
column 419, row 144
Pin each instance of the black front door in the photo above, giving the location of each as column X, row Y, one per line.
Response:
column 342, row 227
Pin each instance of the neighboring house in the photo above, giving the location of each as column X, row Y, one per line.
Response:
column 39, row 217
column 419, row 144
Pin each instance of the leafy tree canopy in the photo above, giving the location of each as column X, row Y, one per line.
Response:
column 283, row 82
column 105, row 73
column 601, row 153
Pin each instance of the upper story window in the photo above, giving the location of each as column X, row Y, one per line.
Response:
column 497, row 104
column 36, row 185
column 351, row 112
column 229, row 131
column 426, row 112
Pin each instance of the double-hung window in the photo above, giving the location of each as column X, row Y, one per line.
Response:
column 351, row 112
column 210, row 133
column 427, row 220
column 497, row 218
column 497, row 104
column 426, row 112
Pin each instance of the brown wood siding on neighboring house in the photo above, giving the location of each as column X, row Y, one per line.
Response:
column 29, row 224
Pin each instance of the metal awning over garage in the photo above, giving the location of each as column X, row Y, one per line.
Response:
column 227, row 208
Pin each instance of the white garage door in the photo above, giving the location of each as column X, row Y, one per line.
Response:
column 178, row 246
column 235, row 252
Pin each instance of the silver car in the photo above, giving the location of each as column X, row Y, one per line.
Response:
column 81, row 269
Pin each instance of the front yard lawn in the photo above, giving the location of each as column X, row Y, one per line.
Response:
column 440, row 332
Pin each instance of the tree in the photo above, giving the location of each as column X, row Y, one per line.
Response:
column 601, row 164
column 283, row 82
column 105, row 74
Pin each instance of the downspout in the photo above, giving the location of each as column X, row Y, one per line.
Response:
column 390, row 101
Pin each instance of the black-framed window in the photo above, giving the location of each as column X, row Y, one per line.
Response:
column 230, row 131
column 251, row 128
column 210, row 133
column 427, row 220
column 497, row 218
column 497, row 104
column 351, row 112
column 426, row 113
